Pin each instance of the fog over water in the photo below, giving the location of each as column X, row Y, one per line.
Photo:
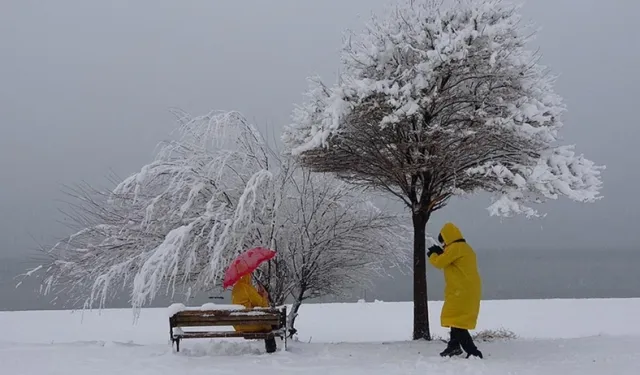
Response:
column 86, row 88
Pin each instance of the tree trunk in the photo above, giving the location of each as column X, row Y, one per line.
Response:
column 420, row 306
column 293, row 315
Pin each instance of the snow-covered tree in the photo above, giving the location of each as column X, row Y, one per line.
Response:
column 216, row 191
column 443, row 99
column 331, row 236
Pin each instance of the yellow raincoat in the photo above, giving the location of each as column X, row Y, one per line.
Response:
column 463, row 286
column 245, row 294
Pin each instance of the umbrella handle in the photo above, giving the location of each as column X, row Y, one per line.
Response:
column 258, row 282
column 261, row 285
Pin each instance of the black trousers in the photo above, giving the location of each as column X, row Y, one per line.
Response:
column 270, row 345
column 462, row 337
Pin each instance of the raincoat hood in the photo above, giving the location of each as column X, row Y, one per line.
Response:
column 450, row 234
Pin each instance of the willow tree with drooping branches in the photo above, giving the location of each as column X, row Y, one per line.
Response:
column 218, row 189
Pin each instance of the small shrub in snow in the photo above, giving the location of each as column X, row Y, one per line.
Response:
column 486, row 335
column 493, row 335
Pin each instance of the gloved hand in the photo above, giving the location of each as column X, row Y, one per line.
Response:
column 435, row 249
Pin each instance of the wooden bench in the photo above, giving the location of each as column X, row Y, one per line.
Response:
column 275, row 317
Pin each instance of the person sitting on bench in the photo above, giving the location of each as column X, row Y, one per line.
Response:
column 245, row 294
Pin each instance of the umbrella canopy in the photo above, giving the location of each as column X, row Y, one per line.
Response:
column 245, row 264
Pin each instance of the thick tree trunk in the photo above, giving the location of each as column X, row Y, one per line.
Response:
column 291, row 330
column 420, row 306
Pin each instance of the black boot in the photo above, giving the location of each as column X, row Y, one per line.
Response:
column 466, row 341
column 270, row 345
column 477, row 353
column 453, row 347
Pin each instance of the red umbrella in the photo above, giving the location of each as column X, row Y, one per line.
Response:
column 245, row 264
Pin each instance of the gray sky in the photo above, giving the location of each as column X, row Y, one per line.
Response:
column 86, row 86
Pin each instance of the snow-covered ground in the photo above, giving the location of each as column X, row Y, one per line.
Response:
column 555, row 337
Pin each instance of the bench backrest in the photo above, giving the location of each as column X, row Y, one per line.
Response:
column 203, row 318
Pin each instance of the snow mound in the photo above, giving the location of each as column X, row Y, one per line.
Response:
column 228, row 348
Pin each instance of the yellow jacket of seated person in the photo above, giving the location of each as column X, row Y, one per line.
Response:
column 245, row 294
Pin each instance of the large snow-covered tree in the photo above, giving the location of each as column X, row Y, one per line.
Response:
column 215, row 191
column 442, row 99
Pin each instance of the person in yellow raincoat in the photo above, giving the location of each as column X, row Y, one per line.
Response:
column 462, row 291
column 245, row 294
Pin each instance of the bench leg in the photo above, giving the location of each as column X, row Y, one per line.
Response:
column 270, row 345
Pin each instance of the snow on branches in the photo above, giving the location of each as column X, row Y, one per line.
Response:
column 213, row 192
column 441, row 99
